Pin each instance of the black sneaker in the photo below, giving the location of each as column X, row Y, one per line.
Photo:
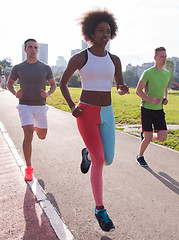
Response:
column 104, row 221
column 141, row 161
column 142, row 136
column 85, row 164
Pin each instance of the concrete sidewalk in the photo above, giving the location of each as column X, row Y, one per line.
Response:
column 23, row 203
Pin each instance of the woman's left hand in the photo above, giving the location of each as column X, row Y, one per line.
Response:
column 76, row 111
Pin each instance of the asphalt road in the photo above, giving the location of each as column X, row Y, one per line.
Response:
column 143, row 203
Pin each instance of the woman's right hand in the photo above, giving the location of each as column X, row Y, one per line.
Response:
column 76, row 111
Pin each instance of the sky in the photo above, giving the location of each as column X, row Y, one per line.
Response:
column 143, row 25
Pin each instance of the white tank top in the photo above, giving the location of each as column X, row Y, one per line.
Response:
column 98, row 72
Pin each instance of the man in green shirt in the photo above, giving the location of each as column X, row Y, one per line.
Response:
column 152, row 88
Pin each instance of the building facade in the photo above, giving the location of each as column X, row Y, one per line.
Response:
column 176, row 63
column 138, row 70
column 84, row 45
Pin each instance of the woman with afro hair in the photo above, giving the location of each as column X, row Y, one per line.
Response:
column 94, row 112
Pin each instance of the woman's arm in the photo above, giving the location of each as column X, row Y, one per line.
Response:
column 76, row 62
column 121, row 87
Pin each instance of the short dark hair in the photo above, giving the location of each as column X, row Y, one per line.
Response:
column 91, row 19
column 29, row 40
column 158, row 49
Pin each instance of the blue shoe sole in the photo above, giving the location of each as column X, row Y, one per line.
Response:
column 85, row 165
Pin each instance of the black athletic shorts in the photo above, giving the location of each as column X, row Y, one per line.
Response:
column 153, row 120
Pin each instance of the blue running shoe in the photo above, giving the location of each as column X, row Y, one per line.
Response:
column 104, row 221
column 85, row 164
column 141, row 161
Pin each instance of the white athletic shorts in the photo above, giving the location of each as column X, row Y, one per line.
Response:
column 33, row 115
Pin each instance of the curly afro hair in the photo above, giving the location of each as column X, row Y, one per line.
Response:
column 91, row 19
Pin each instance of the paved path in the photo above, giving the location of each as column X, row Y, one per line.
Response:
column 21, row 216
column 143, row 203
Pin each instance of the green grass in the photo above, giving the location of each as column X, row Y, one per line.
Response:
column 172, row 140
column 172, row 108
column 57, row 100
column 127, row 110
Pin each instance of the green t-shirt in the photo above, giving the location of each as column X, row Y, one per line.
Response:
column 156, row 83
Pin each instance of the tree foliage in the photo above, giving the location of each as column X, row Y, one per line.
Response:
column 6, row 63
column 1, row 70
column 75, row 80
column 170, row 66
column 58, row 77
column 130, row 78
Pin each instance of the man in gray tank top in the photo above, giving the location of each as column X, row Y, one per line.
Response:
column 33, row 76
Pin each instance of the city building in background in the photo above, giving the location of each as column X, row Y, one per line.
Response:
column 74, row 51
column 138, row 70
column 176, row 63
column 84, row 45
column 43, row 52
column 42, row 55
column 61, row 64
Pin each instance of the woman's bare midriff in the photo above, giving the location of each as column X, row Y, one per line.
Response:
column 96, row 98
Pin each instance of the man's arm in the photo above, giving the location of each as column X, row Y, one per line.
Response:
column 11, row 88
column 144, row 96
column 166, row 92
column 52, row 88
column 165, row 100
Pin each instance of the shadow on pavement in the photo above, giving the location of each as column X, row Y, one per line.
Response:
column 36, row 223
column 50, row 196
column 168, row 181
column 105, row 238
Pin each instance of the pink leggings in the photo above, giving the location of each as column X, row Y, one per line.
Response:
column 97, row 128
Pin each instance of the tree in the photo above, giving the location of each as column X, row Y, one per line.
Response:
column 1, row 70
column 58, row 77
column 130, row 78
column 75, row 81
column 176, row 78
column 5, row 63
column 170, row 66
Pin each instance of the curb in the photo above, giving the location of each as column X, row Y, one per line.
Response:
column 61, row 230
